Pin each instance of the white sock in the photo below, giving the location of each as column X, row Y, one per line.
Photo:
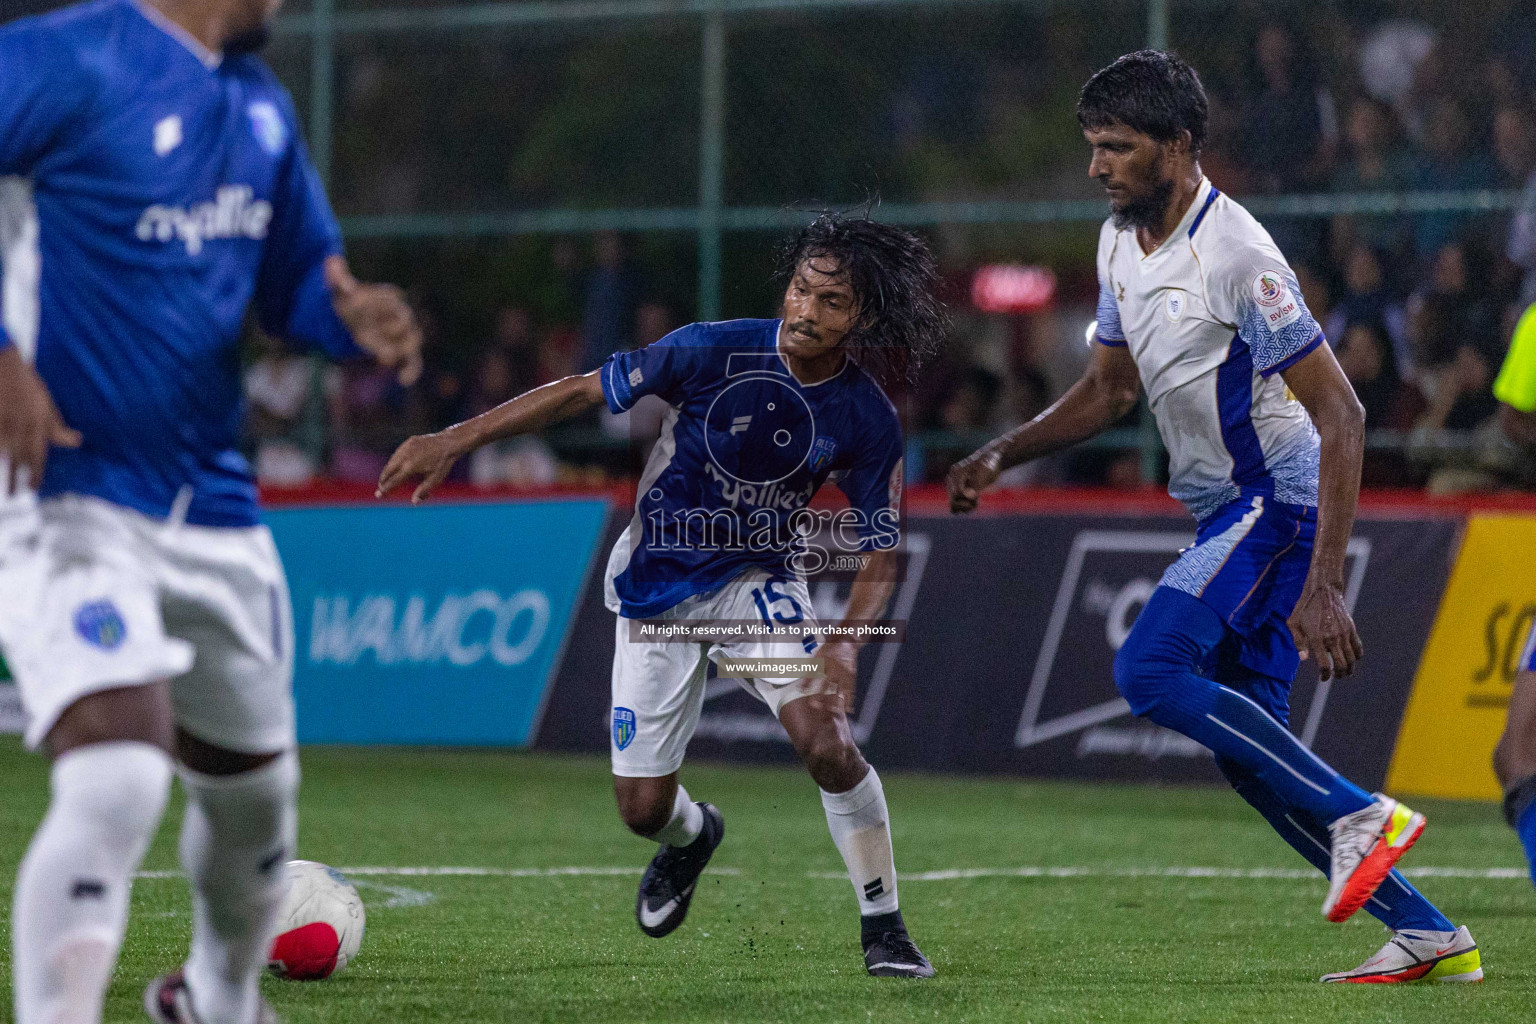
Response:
column 861, row 828
column 71, row 903
column 238, row 833
column 686, row 824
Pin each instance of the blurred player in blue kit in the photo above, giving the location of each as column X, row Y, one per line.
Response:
column 1265, row 437
column 155, row 188
column 761, row 414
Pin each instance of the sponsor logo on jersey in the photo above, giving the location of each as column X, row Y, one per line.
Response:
column 1276, row 303
column 235, row 212
column 1174, row 305
column 100, row 624
column 822, row 450
column 623, row 727
column 268, row 127
column 635, row 377
column 773, row 495
column 167, row 134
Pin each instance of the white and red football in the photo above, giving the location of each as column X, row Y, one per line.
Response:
column 320, row 925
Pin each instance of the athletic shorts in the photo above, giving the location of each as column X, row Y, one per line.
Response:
column 21, row 572
column 1249, row 563
column 120, row 599
column 659, row 687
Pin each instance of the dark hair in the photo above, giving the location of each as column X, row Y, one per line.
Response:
column 900, row 322
column 1148, row 91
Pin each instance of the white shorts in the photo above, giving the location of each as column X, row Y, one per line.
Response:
column 21, row 571
column 658, row 687
column 120, row 599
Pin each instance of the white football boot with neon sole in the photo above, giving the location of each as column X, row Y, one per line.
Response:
column 1419, row 956
column 1366, row 846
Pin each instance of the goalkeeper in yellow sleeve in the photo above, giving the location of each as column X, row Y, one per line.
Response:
column 1516, row 384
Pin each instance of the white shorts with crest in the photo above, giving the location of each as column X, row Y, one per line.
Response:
column 107, row 597
column 659, row 686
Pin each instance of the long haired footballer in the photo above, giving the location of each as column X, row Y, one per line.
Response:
column 155, row 188
column 1264, row 434
column 760, row 414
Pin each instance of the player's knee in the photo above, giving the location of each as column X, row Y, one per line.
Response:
column 118, row 790
column 645, row 810
column 1172, row 635
column 833, row 759
column 1142, row 673
column 249, row 806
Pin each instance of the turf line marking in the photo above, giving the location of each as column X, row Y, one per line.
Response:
column 954, row 874
column 395, row 896
column 562, row 872
column 948, row 875
column 471, row 872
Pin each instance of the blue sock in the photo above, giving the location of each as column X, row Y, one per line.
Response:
column 1525, row 827
column 1397, row 904
column 1155, row 671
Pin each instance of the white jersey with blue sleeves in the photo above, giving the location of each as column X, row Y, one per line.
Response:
column 744, row 447
column 165, row 190
column 1211, row 317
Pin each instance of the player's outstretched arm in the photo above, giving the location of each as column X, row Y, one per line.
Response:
column 378, row 318
column 1321, row 623
column 872, row 588
column 1106, row 392
column 430, row 456
column 29, row 422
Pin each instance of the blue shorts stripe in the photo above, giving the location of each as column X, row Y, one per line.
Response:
column 1248, row 565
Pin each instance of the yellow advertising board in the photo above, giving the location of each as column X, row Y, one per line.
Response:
column 1456, row 711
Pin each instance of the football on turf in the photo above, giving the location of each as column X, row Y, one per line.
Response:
column 320, row 926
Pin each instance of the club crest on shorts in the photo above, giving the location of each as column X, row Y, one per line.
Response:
column 623, row 727
column 101, row 625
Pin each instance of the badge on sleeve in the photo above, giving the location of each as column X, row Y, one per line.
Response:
column 268, row 127
column 1276, row 303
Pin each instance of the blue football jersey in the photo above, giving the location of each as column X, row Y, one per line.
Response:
column 169, row 191
column 743, row 449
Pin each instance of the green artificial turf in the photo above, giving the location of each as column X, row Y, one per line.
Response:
column 768, row 940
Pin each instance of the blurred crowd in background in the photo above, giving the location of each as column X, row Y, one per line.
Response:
column 1340, row 99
